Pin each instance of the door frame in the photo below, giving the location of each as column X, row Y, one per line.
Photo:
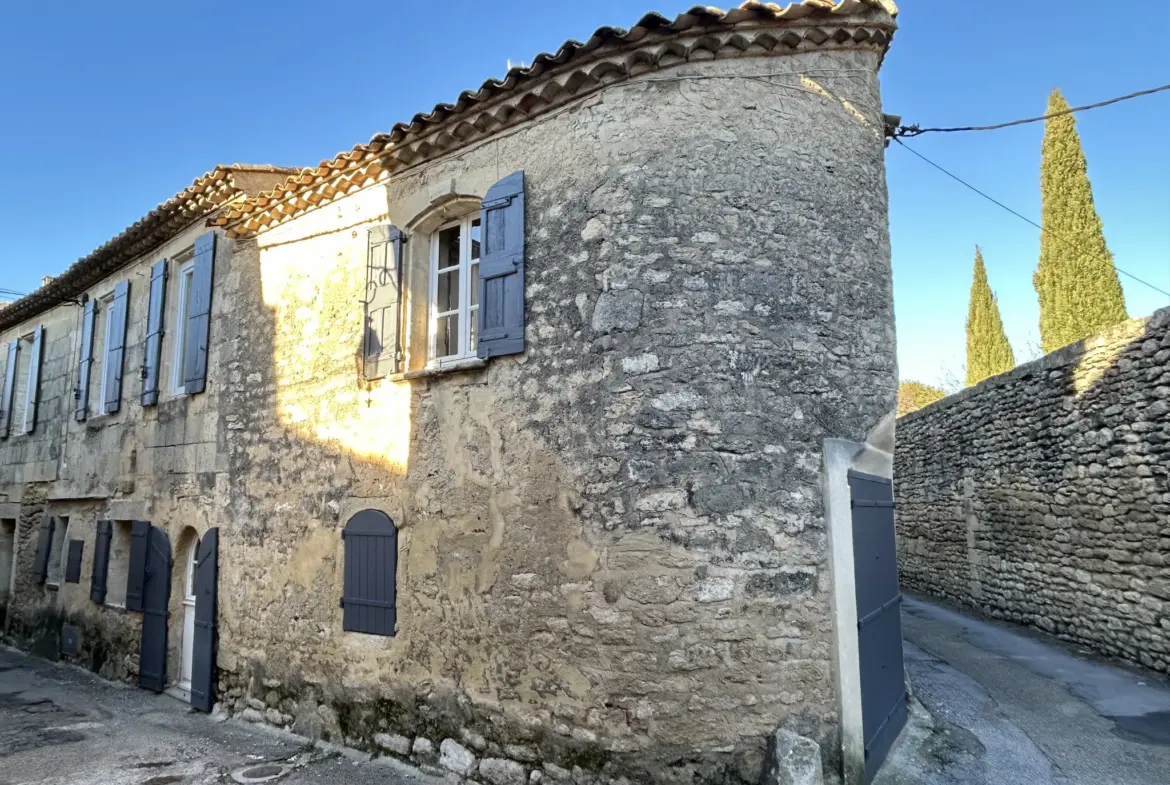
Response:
column 839, row 457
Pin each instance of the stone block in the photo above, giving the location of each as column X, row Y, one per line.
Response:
column 392, row 742
column 453, row 756
column 499, row 771
column 792, row 759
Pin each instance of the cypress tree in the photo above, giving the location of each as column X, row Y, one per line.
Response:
column 1080, row 293
column 988, row 350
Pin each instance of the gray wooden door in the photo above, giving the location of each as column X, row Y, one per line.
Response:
column 203, row 647
column 879, row 621
column 156, row 598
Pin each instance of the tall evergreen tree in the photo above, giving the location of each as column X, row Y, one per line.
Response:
column 988, row 350
column 1080, row 293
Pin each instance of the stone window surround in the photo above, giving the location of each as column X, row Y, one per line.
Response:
column 103, row 310
column 184, row 275
column 20, row 403
column 441, row 211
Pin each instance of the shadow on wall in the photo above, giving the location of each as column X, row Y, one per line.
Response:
column 1042, row 495
column 317, row 443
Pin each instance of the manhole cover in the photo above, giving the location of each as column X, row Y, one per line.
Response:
column 265, row 772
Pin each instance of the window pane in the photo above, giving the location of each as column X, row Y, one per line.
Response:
column 449, row 247
column 475, row 234
column 181, row 332
column 473, row 284
column 448, row 295
column 447, row 336
column 473, row 318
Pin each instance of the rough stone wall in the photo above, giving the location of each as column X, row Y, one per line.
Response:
column 1041, row 495
column 612, row 551
column 161, row 463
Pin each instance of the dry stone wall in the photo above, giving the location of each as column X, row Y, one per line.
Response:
column 1041, row 495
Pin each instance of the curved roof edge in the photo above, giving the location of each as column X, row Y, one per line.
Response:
column 610, row 55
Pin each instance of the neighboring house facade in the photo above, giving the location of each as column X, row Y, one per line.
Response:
column 510, row 424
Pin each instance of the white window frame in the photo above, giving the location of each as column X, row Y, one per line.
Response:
column 104, row 304
column 465, row 311
column 186, row 278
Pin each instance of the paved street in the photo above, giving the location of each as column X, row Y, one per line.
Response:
column 62, row 726
column 1009, row 707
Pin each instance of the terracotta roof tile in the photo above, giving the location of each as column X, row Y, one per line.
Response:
column 609, row 55
column 206, row 195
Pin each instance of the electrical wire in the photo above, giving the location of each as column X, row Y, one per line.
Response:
column 1024, row 218
column 909, row 131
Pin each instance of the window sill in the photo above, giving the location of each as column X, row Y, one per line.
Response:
column 52, row 586
column 452, row 366
column 115, row 607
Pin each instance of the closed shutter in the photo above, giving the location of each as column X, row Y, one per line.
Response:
column 152, row 349
column 101, row 561
column 380, row 340
column 199, row 317
column 115, row 348
column 9, row 389
column 371, row 573
column 34, row 380
column 136, row 570
column 501, row 269
column 81, row 393
column 44, row 544
column 73, row 563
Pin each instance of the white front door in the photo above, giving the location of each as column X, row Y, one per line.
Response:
column 188, row 619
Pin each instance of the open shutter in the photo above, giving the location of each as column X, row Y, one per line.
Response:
column 115, row 348
column 34, row 380
column 501, row 269
column 152, row 352
column 73, row 563
column 199, row 317
column 9, row 389
column 206, row 600
column 81, row 393
column 380, row 340
column 44, row 544
column 371, row 573
column 101, row 561
column 136, row 571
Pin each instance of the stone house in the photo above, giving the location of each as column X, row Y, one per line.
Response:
column 507, row 429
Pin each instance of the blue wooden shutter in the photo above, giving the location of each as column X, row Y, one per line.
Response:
column 152, row 349
column 380, row 339
column 371, row 573
column 199, row 318
column 9, row 389
column 501, row 269
column 81, row 393
column 44, row 545
column 34, row 380
column 115, row 348
column 136, row 572
column 73, row 562
column 101, row 561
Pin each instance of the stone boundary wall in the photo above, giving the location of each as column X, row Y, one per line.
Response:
column 1041, row 496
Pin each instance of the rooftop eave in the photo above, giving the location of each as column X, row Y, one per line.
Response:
column 576, row 70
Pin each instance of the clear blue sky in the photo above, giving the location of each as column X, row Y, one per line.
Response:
column 111, row 108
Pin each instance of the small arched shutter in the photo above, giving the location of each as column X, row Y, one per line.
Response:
column 371, row 573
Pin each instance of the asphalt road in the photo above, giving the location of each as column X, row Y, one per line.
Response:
column 1005, row 706
column 61, row 725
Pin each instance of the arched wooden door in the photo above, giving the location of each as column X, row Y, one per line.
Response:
column 156, row 598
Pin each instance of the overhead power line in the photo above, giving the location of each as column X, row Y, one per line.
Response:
column 908, row 131
column 1022, row 217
